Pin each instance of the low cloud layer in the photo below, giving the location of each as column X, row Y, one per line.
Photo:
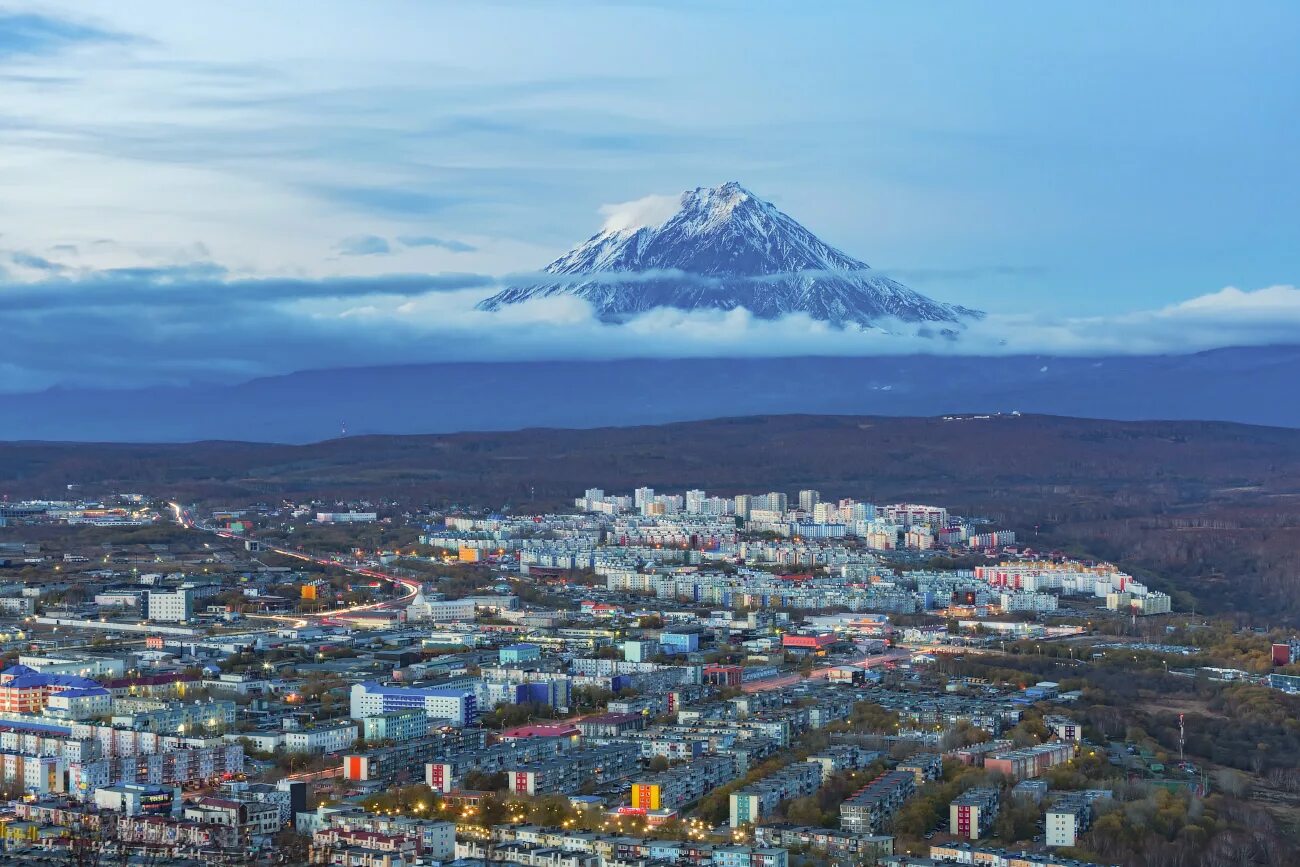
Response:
column 140, row 326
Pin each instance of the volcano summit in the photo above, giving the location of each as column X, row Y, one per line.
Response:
column 723, row 248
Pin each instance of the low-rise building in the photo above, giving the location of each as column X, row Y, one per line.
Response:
column 924, row 766
column 832, row 841
column 1029, row 762
column 321, row 738
column 136, row 799
column 396, row 725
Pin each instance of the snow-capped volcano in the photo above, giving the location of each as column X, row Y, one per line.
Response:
column 721, row 248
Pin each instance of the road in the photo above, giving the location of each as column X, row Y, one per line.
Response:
column 312, row 776
column 868, row 661
column 409, row 585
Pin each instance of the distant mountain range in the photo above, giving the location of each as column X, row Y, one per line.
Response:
column 724, row 248
column 447, row 397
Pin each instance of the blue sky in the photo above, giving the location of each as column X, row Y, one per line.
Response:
column 1070, row 161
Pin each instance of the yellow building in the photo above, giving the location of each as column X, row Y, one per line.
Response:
column 645, row 796
column 21, row 832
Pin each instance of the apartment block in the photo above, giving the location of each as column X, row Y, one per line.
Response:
column 1031, row 761
column 924, row 766
column 869, row 810
column 971, row 814
column 750, row 804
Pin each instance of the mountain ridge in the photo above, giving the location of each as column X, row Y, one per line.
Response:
column 313, row 404
column 726, row 249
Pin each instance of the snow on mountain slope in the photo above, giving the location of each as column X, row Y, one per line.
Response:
column 720, row 249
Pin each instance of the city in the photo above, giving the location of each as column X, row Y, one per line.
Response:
column 649, row 433
column 644, row 678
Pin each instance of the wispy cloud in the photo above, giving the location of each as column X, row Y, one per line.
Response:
column 392, row 201
column 364, row 245
column 449, row 244
column 27, row 34
column 36, row 263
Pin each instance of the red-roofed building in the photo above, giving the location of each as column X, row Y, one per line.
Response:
column 153, row 686
column 340, row 838
column 541, row 730
column 809, row 643
column 600, row 609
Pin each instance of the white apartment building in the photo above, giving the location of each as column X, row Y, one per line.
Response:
column 440, row 610
column 1023, row 601
column 174, row 607
column 1065, row 822
column 346, row 517
column 76, row 664
column 458, row 704
column 17, row 606
column 326, row 738
column 909, row 514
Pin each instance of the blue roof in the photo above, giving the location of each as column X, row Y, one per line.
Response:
column 36, row 679
column 78, row 692
column 438, row 692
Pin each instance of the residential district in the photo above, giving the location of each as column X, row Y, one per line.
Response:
column 640, row 680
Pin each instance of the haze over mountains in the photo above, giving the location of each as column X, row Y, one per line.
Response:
column 723, row 248
column 438, row 398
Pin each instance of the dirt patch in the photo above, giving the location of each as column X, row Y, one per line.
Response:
column 1179, row 704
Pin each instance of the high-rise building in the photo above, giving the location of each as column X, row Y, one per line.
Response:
column 862, row 511
column 825, row 513
column 808, row 499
